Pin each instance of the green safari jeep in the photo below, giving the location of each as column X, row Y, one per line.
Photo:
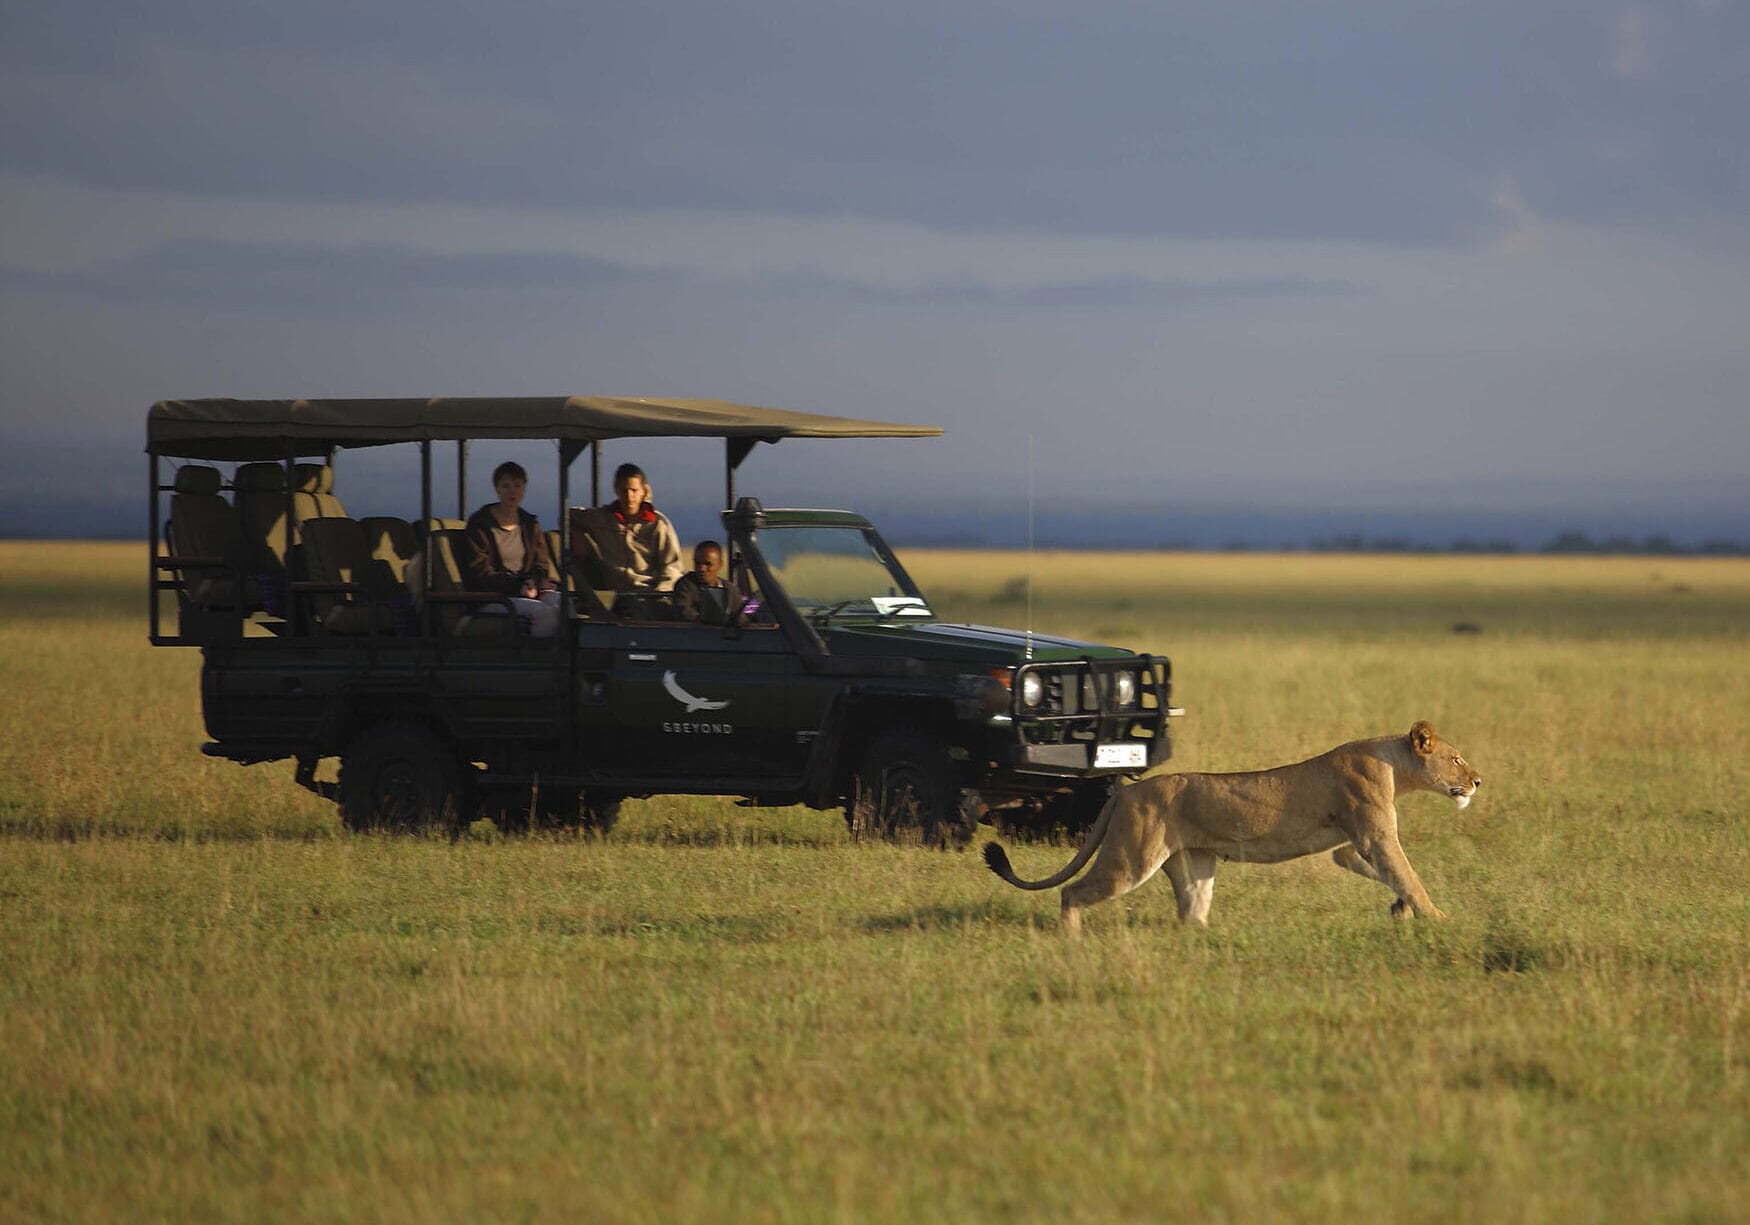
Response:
column 836, row 685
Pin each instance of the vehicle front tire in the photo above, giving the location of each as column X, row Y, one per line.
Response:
column 399, row 776
column 906, row 788
column 1059, row 818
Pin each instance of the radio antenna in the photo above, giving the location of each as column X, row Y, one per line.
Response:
column 1029, row 656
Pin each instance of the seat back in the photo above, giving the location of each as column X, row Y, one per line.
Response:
column 337, row 551
column 444, row 539
column 261, row 508
column 202, row 519
column 391, row 542
column 313, row 493
column 203, row 524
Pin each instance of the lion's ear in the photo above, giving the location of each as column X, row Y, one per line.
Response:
column 1422, row 737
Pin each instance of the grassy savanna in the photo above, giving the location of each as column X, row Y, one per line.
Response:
column 216, row 1005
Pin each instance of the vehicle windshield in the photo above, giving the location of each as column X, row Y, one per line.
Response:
column 838, row 571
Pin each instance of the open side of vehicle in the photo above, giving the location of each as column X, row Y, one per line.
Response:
column 836, row 685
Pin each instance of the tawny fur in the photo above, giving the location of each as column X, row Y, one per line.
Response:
column 1343, row 801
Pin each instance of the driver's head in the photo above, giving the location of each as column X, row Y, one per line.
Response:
column 708, row 561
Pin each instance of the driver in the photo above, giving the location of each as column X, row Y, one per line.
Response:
column 703, row 593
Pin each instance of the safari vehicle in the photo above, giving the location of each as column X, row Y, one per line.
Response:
column 836, row 685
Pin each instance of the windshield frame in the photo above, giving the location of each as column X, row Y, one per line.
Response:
column 861, row 608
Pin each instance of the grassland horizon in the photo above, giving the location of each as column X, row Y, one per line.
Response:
column 218, row 1005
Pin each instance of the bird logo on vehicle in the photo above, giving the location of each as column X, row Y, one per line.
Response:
column 692, row 703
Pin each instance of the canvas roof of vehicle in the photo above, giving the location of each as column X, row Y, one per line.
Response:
column 227, row 429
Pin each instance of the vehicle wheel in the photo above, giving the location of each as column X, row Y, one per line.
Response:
column 399, row 776
column 906, row 789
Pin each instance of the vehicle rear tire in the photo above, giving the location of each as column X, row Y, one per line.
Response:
column 399, row 776
column 906, row 788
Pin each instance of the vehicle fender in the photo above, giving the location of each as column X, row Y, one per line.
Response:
column 858, row 714
column 352, row 713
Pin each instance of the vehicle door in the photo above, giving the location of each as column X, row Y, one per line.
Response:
column 689, row 701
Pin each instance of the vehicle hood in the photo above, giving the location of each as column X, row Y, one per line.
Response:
column 973, row 645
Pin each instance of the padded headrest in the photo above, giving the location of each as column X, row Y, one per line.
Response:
column 198, row 478
column 313, row 478
column 259, row 478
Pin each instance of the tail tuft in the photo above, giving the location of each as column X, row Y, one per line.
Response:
column 997, row 860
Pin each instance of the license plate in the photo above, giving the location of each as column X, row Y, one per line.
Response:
column 1120, row 756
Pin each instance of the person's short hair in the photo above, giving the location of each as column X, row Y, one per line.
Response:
column 699, row 549
column 511, row 469
column 626, row 472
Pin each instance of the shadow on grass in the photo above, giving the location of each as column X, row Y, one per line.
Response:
column 74, row 830
column 1506, row 951
column 715, row 836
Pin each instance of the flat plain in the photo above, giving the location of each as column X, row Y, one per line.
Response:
column 216, row 1005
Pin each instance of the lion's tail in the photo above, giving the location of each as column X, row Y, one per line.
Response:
column 997, row 859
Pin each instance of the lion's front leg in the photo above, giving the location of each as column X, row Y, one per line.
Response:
column 1380, row 852
column 1192, row 873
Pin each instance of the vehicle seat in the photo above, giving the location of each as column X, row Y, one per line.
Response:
column 391, row 542
column 261, row 509
column 204, row 525
column 456, row 618
column 313, row 493
column 337, row 551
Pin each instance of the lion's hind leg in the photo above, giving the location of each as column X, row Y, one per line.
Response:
column 1117, row 870
column 1193, row 875
column 1346, row 856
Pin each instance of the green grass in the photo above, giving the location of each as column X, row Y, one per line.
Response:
column 216, row 1005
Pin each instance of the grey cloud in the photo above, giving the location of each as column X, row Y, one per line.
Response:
column 1276, row 119
column 291, row 277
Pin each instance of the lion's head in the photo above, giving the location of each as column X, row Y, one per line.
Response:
column 1443, row 767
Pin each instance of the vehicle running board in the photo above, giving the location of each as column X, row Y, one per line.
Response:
column 645, row 785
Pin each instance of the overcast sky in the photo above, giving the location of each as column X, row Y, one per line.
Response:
column 1421, row 261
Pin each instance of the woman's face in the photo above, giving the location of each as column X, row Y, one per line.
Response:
column 632, row 494
column 510, row 490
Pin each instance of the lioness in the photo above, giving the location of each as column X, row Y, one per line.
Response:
column 1344, row 799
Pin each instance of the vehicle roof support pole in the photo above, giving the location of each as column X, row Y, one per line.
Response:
column 567, row 453
column 569, row 450
column 152, row 528
column 734, row 451
column 462, row 479
column 595, row 473
column 425, row 551
column 291, row 509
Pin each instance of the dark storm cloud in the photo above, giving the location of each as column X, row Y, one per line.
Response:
column 1383, row 122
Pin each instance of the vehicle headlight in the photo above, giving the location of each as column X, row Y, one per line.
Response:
column 1032, row 690
column 1124, row 689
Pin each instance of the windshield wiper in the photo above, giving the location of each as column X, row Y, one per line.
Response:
column 833, row 610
